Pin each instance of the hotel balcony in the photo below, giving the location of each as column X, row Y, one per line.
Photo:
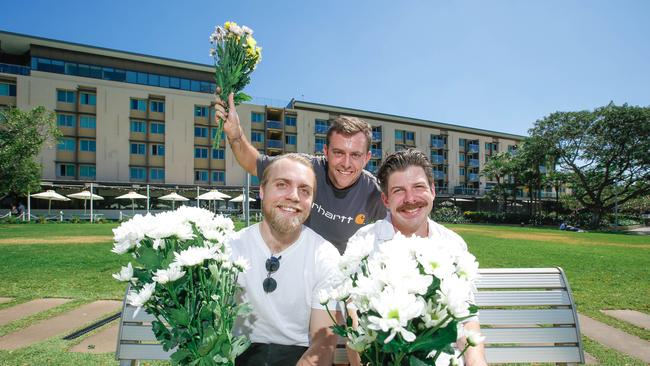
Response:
column 473, row 177
column 273, row 125
column 474, row 163
column 437, row 159
column 473, row 148
column 322, row 130
column 437, row 144
column 14, row 69
column 438, row 175
column 274, row 144
column 376, row 153
column 376, row 136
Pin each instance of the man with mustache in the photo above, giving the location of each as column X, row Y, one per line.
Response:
column 408, row 191
column 348, row 197
column 289, row 265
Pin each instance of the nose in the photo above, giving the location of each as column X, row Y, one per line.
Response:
column 292, row 194
column 409, row 196
column 347, row 160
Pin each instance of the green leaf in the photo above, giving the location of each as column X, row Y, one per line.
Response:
column 239, row 345
column 209, row 340
column 179, row 317
column 440, row 339
column 149, row 258
column 180, row 356
column 415, row 361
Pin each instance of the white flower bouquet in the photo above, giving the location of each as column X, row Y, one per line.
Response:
column 408, row 296
column 236, row 55
column 184, row 278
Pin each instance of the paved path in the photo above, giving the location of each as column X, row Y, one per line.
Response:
column 633, row 317
column 5, row 299
column 59, row 325
column 614, row 338
column 20, row 311
column 101, row 342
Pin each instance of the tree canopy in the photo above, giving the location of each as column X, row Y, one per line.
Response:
column 22, row 135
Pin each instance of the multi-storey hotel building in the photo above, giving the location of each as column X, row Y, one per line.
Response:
column 129, row 119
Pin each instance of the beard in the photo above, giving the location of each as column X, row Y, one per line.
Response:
column 281, row 223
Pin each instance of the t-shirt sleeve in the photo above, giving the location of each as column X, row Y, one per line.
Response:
column 327, row 264
column 262, row 162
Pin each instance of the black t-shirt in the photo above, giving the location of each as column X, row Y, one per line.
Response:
column 336, row 214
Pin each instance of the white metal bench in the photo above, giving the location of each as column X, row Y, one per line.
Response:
column 527, row 315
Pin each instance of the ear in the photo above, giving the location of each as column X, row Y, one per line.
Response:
column 384, row 199
column 368, row 156
column 325, row 149
column 262, row 193
column 433, row 191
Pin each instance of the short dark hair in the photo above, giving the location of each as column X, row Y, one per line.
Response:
column 399, row 161
column 299, row 158
column 349, row 126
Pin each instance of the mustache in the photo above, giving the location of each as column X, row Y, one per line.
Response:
column 411, row 205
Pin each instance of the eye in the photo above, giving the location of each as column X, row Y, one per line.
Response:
column 281, row 184
column 356, row 156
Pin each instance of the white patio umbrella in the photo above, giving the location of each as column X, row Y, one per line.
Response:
column 174, row 197
column 85, row 195
column 50, row 196
column 240, row 198
column 131, row 196
column 213, row 195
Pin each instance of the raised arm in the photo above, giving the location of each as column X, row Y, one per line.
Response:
column 322, row 340
column 245, row 153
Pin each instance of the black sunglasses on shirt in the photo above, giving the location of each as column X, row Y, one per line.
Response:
column 272, row 265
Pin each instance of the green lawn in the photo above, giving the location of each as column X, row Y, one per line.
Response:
column 605, row 271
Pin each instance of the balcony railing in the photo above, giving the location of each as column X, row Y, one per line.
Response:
column 376, row 135
column 473, row 177
column 321, row 129
column 274, row 124
column 437, row 159
column 276, row 144
column 376, row 153
column 318, row 147
column 437, row 144
column 14, row 69
column 473, row 148
column 438, row 175
column 442, row 190
column 474, row 163
column 466, row 191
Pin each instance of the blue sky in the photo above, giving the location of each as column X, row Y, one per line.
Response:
column 498, row 65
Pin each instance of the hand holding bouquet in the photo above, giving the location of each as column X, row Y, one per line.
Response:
column 409, row 297
column 184, row 278
column 236, row 55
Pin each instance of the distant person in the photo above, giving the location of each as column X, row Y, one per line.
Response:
column 348, row 196
column 20, row 209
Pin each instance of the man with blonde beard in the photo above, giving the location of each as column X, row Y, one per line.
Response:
column 408, row 192
column 289, row 264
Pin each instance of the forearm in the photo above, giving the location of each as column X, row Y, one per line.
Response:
column 321, row 350
column 474, row 356
column 245, row 153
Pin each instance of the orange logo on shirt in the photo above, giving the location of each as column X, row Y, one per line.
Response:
column 360, row 219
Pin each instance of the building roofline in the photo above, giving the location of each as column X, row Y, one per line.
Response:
column 25, row 40
column 299, row 104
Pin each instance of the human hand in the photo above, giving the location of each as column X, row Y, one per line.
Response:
column 231, row 125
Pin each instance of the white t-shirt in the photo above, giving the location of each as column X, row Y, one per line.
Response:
column 282, row 316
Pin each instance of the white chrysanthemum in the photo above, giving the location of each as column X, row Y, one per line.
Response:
column 129, row 234
column 455, row 294
column 241, row 264
column 138, row 299
column 171, row 274
column 194, row 256
column 125, row 274
column 436, row 261
column 395, row 309
column 323, row 296
column 435, row 314
column 247, row 30
column 467, row 267
column 473, row 337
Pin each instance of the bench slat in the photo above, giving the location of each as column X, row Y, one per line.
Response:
column 138, row 333
column 522, row 298
column 526, row 317
column 530, row 335
column 142, row 316
column 532, row 354
column 518, row 271
column 143, row 352
column 528, row 281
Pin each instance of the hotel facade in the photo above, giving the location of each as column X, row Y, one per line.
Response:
column 131, row 120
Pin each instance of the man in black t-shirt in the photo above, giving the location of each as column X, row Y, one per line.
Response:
column 347, row 197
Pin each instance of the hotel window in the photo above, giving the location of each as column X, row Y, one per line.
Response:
column 290, row 139
column 200, row 152
column 138, row 149
column 290, row 120
column 157, row 150
column 87, row 171
column 158, row 106
column 157, row 174
column 87, row 122
column 257, row 117
column 65, row 96
column 410, row 136
column 462, row 172
column 65, row 170
column 461, row 157
column 137, row 173
column 157, row 128
column 200, row 132
column 139, row 105
column 218, row 154
column 87, row 145
column 66, row 144
column 399, row 136
column 461, row 142
column 219, row 176
column 138, row 126
column 321, row 126
column 201, row 176
column 200, row 111
column 213, row 133
column 257, row 136
column 65, row 120
column 87, row 98
column 7, row 90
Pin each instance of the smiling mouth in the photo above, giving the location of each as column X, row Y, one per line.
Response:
column 344, row 172
column 409, row 209
column 289, row 209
